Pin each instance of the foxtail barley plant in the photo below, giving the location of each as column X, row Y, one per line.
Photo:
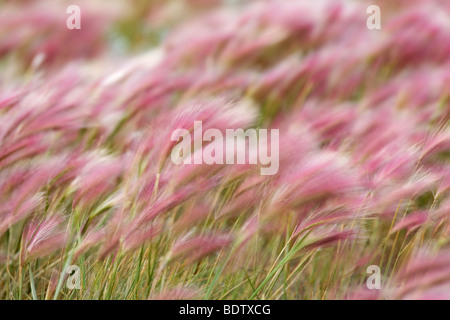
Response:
column 87, row 181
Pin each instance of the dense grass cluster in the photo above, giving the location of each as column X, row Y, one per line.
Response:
column 86, row 177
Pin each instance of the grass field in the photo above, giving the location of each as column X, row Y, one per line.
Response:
column 92, row 207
